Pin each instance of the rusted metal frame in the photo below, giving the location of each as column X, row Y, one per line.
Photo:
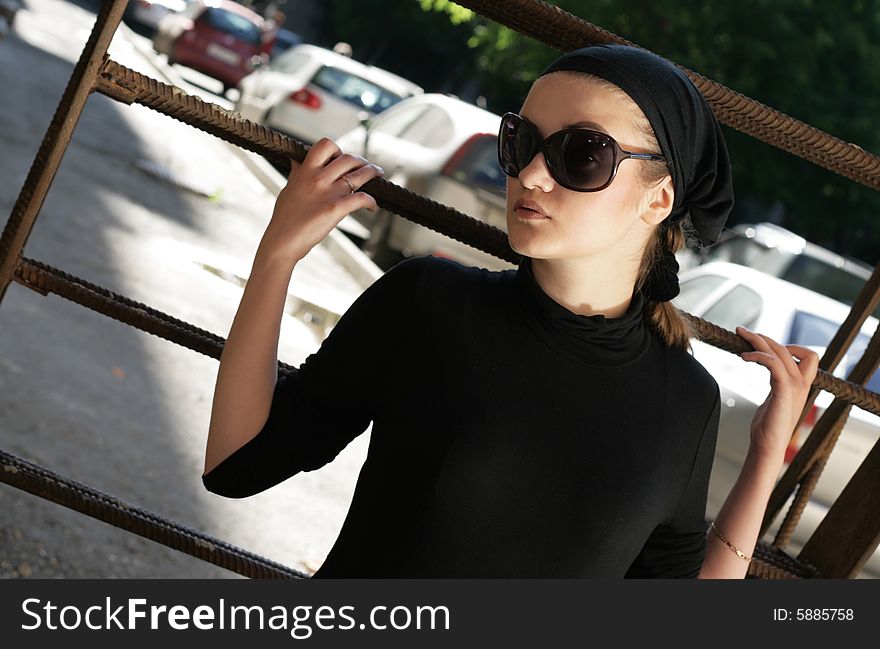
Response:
column 828, row 430
column 42, row 482
column 30, row 199
column 45, row 279
column 769, row 562
column 850, row 532
column 126, row 85
column 563, row 31
column 825, row 433
column 818, row 446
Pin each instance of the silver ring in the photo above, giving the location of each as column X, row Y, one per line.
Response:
column 350, row 185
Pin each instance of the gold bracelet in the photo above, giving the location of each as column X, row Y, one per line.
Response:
column 739, row 552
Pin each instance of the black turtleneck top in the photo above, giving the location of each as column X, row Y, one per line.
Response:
column 511, row 437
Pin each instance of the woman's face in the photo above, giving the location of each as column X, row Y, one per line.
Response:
column 577, row 224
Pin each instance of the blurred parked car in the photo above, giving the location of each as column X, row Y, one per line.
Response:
column 8, row 9
column 445, row 149
column 220, row 38
column 729, row 295
column 150, row 12
column 309, row 93
column 779, row 252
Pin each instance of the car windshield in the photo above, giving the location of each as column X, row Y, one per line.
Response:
column 354, row 89
column 808, row 329
column 233, row 24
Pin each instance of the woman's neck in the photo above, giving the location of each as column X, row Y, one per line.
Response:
column 587, row 286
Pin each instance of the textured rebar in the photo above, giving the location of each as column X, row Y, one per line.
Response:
column 563, row 31
column 807, row 485
column 48, row 159
column 769, row 562
column 45, row 279
column 44, row 483
column 127, row 85
column 729, row 341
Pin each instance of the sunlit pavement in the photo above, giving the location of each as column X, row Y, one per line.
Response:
column 169, row 216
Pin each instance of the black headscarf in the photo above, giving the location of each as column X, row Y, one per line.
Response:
column 686, row 129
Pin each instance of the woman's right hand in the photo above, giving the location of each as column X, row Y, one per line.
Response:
column 316, row 198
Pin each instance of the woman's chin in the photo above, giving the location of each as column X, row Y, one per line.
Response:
column 526, row 246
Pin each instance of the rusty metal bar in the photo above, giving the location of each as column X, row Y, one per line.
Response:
column 42, row 172
column 828, row 431
column 817, row 448
column 850, row 532
column 769, row 562
column 563, row 31
column 42, row 482
column 45, row 279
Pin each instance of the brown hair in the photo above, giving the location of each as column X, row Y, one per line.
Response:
column 664, row 318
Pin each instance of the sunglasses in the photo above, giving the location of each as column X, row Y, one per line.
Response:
column 578, row 159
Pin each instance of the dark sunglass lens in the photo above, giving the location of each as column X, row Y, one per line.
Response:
column 507, row 137
column 584, row 159
column 516, row 145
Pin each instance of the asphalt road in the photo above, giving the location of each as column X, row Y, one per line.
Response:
column 104, row 403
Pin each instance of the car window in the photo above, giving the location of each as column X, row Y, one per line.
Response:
column 477, row 165
column 855, row 352
column 810, row 329
column 290, row 61
column 354, row 89
column 433, row 129
column 695, row 290
column 824, row 278
column 739, row 306
column 398, row 122
column 233, row 24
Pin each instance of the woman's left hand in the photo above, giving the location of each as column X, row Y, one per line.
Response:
column 790, row 381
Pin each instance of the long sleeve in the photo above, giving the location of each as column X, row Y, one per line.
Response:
column 677, row 547
column 330, row 399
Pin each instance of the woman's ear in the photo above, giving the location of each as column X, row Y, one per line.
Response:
column 660, row 200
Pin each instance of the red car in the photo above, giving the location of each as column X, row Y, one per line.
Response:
column 220, row 38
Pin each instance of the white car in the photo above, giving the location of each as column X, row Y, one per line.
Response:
column 728, row 295
column 151, row 12
column 309, row 93
column 442, row 148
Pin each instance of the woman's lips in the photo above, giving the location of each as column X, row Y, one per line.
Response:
column 530, row 210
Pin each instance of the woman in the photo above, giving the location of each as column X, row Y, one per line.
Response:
column 542, row 422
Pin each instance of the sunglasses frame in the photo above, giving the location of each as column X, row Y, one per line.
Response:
column 544, row 145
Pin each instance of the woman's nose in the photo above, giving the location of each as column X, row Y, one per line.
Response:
column 536, row 174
